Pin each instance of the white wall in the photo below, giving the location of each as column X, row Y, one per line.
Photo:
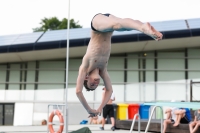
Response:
column 23, row 114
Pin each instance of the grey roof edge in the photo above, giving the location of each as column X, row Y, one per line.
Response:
column 80, row 33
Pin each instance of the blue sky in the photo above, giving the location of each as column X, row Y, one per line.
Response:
column 20, row 16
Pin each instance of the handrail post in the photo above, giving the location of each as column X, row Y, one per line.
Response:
column 153, row 110
column 133, row 122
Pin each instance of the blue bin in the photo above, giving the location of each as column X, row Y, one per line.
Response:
column 144, row 111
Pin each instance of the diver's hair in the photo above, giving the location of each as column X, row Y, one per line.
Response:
column 86, row 86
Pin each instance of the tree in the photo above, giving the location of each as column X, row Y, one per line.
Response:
column 55, row 24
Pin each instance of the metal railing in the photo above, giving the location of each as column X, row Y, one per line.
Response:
column 133, row 123
column 152, row 112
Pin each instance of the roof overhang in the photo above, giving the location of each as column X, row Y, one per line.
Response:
column 117, row 48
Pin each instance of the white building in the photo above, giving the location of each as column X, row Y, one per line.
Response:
column 32, row 70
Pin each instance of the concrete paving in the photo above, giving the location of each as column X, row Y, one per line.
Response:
column 43, row 129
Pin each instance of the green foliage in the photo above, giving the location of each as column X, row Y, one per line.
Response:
column 55, row 24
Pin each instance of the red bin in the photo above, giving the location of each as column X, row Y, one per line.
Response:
column 132, row 110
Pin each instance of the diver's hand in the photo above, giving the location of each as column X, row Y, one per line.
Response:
column 93, row 113
column 99, row 110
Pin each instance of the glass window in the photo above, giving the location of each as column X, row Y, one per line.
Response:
column 171, row 64
column 194, row 71
column 2, row 80
column 116, row 69
column 75, row 64
column 14, row 77
column 194, row 64
column 30, row 75
column 132, row 63
column 3, row 76
column 54, row 74
column 51, row 81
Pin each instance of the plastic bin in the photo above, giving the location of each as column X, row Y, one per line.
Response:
column 115, row 114
column 122, row 111
column 144, row 111
column 132, row 110
column 115, row 110
column 158, row 113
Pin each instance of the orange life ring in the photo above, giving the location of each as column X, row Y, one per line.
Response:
column 53, row 113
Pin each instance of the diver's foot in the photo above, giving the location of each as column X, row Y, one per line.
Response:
column 150, row 31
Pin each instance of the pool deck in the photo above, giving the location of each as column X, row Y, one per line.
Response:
column 43, row 129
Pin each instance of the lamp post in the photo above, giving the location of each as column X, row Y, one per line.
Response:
column 67, row 65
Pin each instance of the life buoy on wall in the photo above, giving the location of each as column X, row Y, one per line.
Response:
column 50, row 125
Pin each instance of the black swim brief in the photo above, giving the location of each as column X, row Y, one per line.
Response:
column 107, row 14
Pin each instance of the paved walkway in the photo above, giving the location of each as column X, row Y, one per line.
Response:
column 43, row 129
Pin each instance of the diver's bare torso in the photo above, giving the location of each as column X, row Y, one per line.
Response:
column 98, row 51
